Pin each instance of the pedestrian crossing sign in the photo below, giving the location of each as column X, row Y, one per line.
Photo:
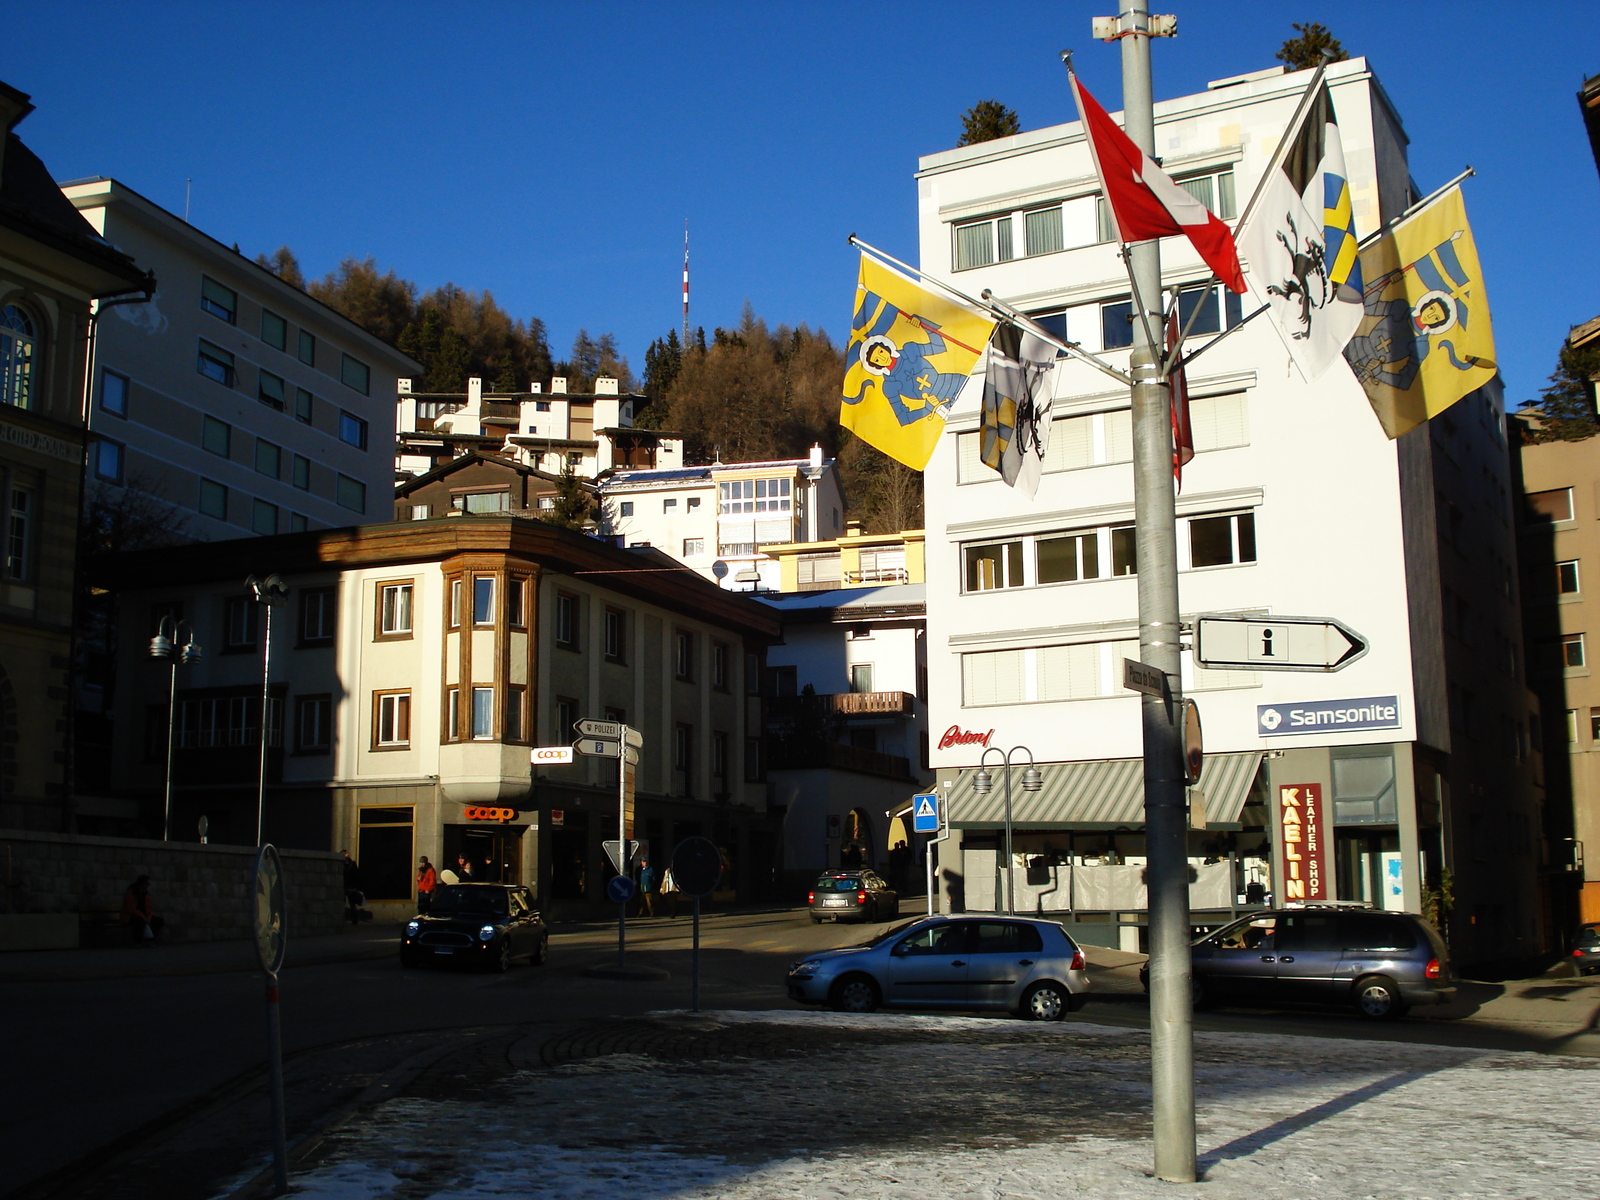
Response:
column 925, row 813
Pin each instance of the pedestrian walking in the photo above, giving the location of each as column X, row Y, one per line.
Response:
column 139, row 912
column 669, row 892
column 464, row 871
column 427, row 880
column 647, row 888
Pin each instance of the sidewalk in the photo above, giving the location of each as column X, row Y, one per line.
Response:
column 798, row 1105
column 375, row 940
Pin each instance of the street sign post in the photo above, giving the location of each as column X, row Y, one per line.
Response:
column 925, row 813
column 271, row 941
column 1275, row 643
column 696, row 869
column 614, row 739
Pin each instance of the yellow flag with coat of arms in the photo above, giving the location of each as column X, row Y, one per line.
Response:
column 909, row 355
column 1425, row 338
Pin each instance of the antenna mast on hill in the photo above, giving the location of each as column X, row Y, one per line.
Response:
column 686, row 283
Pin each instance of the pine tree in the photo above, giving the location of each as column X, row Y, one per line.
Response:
column 284, row 265
column 574, row 507
column 987, row 120
column 506, row 379
column 1567, row 410
column 1306, row 51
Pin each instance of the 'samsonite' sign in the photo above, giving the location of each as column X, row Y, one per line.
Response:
column 1303, row 829
column 957, row 736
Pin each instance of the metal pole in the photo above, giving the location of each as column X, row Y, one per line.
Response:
column 622, row 838
column 694, row 960
column 266, row 678
column 927, row 861
column 1011, row 880
column 280, row 1145
column 1166, row 832
column 172, row 736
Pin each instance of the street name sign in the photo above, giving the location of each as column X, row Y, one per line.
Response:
column 1275, row 643
column 925, row 813
column 1142, row 677
column 550, row 754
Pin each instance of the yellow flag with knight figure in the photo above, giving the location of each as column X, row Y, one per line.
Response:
column 910, row 353
column 1425, row 339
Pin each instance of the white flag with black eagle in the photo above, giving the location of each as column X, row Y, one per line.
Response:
column 1018, row 390
column 1300, row 244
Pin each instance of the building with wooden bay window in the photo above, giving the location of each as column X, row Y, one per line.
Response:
column 415, row 665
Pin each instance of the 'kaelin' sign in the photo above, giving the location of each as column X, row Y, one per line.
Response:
column 1303, row 830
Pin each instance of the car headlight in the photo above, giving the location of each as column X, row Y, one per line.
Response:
column 486, row 934
column 413, row 928
column 810, row 967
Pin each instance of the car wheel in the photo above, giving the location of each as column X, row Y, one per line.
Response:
column 1378, row 999
column 541, row 955
column 854, row 994
column 1044, row 1002
column 502, row 957
column 1198, row 998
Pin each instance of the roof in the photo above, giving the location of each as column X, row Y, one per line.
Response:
column 468, row 459
column 651, row 578
column 1106, row 793
column 666, row 475
column 909, row 599
column 31, row 203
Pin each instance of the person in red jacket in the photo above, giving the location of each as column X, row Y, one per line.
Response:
column 139, row 911
column 427, row 880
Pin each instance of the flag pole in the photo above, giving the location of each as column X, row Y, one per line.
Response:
column 1287, row 140
column 1183, row 360
column 1165, row 795
column 1389, row 226
column 992, row 304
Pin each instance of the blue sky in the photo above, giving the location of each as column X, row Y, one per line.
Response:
column 551, row 152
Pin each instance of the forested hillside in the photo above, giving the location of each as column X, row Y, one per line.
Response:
column 746, row 394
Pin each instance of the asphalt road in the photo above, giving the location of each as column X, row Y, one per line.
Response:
column 151, row 1086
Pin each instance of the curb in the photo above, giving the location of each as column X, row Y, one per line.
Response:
column 156, row 970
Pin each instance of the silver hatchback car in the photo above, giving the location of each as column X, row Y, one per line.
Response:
column 1015, row 964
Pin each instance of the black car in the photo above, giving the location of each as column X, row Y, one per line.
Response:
column 852, row 896
column 1585, row 950
column 489, row 924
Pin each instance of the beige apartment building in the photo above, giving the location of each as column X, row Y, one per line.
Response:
column 1560, row 558
column 236, row 399
column 414, row 667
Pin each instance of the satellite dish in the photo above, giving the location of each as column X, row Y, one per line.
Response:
column 719, row 569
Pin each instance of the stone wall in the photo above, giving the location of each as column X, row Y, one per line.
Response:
column 203, row 892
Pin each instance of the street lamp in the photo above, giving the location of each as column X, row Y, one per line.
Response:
column 266, row 592
column 165, row 645
column 983, row 783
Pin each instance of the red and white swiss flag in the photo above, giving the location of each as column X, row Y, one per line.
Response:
column 1144, row 201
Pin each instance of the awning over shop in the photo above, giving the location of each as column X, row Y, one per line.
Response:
column 1095, row 795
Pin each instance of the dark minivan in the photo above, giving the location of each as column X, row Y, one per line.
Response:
column 1380, row 962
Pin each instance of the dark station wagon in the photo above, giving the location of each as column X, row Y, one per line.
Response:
column 852, row 896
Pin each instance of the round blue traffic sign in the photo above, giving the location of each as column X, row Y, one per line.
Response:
column 620, row 889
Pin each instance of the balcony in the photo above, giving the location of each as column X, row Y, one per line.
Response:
column 803, row 753
column 877, row 575
column 845, row 704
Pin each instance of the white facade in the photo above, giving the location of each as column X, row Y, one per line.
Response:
column 1291, row 506
column 233, row 396
column 715, row 519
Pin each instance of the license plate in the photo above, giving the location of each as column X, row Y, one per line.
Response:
column 834, row 901
column 444, row 951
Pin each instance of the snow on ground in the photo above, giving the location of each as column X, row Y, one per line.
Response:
column 991, row 1110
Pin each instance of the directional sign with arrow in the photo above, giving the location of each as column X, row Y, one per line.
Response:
column 1275, row 643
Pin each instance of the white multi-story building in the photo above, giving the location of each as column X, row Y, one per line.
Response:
column 716, row 519
column 233, row 397
column 1295, row 504
column 548, row 431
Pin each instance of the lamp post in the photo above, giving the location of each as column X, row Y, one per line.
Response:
column 165, row 645
column 266, row 592
column 983, row 783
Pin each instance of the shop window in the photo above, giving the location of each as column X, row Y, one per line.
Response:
column 1363, row 787
column 385, row 853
